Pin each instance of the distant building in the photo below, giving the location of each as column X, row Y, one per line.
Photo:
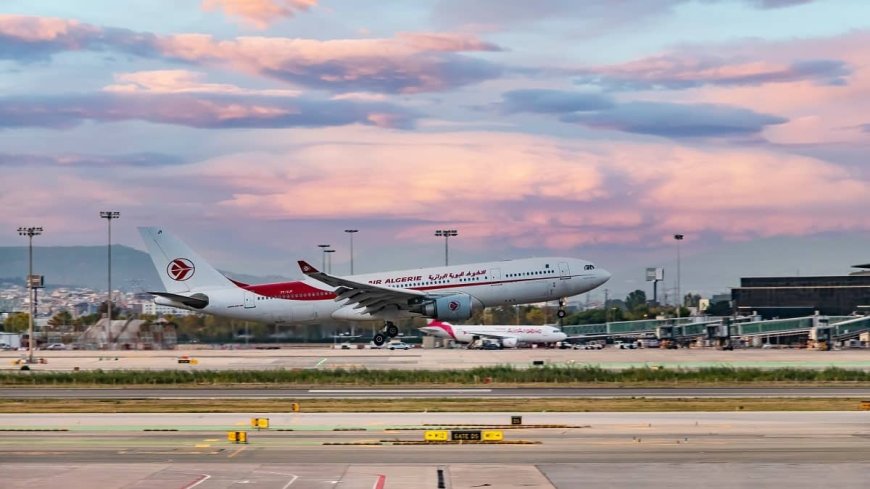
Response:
column 801, row 296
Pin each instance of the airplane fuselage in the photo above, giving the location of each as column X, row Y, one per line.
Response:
column 499, row 283
column 520, row 334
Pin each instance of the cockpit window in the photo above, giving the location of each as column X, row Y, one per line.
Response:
column 589, row 267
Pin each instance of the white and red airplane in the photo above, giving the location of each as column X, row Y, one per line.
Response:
column 446, row 293
column 507, row 336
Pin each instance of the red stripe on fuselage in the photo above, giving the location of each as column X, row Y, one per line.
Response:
column 297, row 291
column 301, row 291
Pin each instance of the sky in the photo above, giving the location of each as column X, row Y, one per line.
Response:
column 257, row 129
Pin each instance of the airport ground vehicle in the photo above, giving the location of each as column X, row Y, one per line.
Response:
column 398, row 345
column 56, row 346
column 623, row 345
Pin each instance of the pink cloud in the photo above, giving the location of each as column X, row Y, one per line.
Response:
column 526, row 191
column 406, row 63
column 182, row 81
column 533, row 190
column 35, row 29
column 259, row 13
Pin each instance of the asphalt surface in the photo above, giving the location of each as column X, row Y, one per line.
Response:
column 613, row 450
column 518, row 393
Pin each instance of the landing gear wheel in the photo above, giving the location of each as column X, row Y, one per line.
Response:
column 561, row 313
column 392, row 330
column 379, row 339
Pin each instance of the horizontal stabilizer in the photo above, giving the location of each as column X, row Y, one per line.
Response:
column 196, row 301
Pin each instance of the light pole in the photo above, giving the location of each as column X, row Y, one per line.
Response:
column 351, row 233
column 323, row 248
column 329, row 260
column 30, row 233
column 678, row 238
column 447, row 233
column 109, row 216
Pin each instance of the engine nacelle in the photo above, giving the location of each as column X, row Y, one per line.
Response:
column 508, row 342
column 457, row 307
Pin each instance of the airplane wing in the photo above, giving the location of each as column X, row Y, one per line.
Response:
column 495, row 336
column 371, row 298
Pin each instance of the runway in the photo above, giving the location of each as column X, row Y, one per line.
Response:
column 617, row 450
column 426, row 393
column 322, row 358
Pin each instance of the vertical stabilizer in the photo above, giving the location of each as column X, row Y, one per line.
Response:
column 180, row 268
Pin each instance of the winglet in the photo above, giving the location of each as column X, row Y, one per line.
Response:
column 306, row 268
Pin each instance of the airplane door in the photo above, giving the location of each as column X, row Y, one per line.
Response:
column 250, row 303
column 564, row 272
column 495, row 276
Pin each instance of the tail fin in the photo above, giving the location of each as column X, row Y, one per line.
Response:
column 180, row 268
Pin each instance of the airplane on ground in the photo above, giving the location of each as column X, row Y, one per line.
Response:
column 507, row 336
column 449, row 293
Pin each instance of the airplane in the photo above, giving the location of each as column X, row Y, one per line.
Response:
column 507, row 336
column 449, row 293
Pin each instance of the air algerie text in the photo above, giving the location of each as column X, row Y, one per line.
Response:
column 399, row 280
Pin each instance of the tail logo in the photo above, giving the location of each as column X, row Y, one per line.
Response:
column 180, row 269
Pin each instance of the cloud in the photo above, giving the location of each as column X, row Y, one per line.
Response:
column 552, row 101
column 406, row 63
column 203, row 111
column 183, row 81
column 677, row 120
column 144, row 160
column 675, row 72
column 588, row 13
column 533, row 189
column 504, row 191
column 651, row 118
column 27, row 38
column 259, row 13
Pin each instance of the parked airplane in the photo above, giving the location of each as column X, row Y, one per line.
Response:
column 446, row 293
column 507, row 336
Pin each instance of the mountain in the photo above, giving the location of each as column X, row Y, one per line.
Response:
column 86, row 266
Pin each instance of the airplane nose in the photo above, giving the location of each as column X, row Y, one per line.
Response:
column 603, row 276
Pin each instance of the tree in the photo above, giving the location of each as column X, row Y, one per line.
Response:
column 635, row 299
column 62, row 318
column 17, row 322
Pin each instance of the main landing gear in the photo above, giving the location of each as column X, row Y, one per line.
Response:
column 390, row 330
column 561, row 313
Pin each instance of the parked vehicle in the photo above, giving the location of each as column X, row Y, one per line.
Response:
column 56, row 346
column 399, row 345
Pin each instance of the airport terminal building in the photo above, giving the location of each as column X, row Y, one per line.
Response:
column 784, row 297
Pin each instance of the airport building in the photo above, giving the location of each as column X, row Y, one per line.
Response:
column 784, row 297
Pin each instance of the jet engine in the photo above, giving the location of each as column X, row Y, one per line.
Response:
column 508, row 342
column 457, row 307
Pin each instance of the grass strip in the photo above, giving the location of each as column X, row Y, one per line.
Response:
column 422, row 405
column 494, row 376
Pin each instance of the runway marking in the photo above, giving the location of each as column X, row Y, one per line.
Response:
column 202, row 445
column 202, row 478
column 396, row 391
column 240, row 450
column 291, row 481
column 321, row 362
column 379, row 484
